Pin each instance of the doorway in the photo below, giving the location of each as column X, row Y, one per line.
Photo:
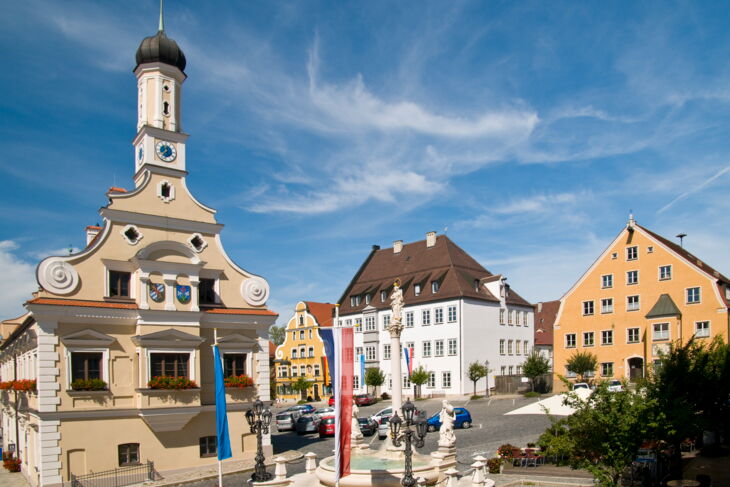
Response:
column 636, row 368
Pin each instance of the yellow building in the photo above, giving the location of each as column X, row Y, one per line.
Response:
column 643, row 293
column 302, row 353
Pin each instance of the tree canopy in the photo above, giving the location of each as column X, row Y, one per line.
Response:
column 535, row 365
column 374, row 377
column 419, row 376
column 475, row 372
column 277, row 334
column 582, row 363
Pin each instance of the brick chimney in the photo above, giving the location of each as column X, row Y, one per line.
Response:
column 397, row 246
column 430, row 239
column 91, row 232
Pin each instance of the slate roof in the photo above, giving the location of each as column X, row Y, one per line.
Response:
column 545, row 314
column 445, row 262
column 664, row 306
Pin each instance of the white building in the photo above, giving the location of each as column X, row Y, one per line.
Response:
column 456, row 312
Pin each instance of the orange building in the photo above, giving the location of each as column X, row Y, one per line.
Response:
column 643, row 293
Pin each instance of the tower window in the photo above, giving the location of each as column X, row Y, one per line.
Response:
column 165, row 108
column 165, row 190
column 197, row 242
column 166, row 87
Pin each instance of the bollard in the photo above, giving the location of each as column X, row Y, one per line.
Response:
column 483, row 459
column 280, row 470
column 421, row 482
column 451, row 477
column 477, row 477
column 310, row 465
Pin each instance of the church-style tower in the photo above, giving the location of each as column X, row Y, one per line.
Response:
column 160, row 73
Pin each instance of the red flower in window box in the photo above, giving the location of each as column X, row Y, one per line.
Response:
column 24, row 385
column 238, row 381
column 4, row 386
column 171, row 383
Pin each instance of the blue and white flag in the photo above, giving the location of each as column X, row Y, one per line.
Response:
column 221, row 419
column 362, row 371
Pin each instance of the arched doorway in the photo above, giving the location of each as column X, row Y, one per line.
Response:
column 316, row 392
column 636, row 368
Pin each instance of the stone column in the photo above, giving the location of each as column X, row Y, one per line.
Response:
column 396, row 328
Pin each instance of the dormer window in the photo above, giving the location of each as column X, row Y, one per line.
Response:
column 367, row 299
column 131, row 234
column 383, row 296
column 355, row 300
column 435, row 285
column 417, row 289
column 197, row 243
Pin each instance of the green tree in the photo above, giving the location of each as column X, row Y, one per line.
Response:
column 419, row 376
column 301, row 385
column 535, row 366
column 476, row 372
column 581, row 363
column 277, row 334
column 374, row 377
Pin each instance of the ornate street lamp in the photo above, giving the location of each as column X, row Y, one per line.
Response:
column 400, row 431
column 259, row 420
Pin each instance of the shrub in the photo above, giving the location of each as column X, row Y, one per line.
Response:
column 385, row 396
column 4, row 386
column 24, row 385
column 238, row 381
column 88, row 385
column 531, row 394
column 505, row 451
column 174, row 383
column 475, row 397
column 493, row 464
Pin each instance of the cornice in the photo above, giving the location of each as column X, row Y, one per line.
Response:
column 121, row 216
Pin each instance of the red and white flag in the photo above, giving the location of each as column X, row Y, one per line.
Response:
column 345, row 358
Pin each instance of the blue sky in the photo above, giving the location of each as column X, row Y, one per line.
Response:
column 527, row 129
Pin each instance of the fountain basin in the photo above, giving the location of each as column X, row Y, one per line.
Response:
column 377, row 468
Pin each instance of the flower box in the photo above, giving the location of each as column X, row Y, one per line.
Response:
column 171, row 383
column 238, row 381
column 4, row 386
column 24, row 385
column 88, row 385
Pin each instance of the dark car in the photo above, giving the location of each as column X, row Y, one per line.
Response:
column 327, row 427
column 308, row 423
column 367, row 426
column 364, row 399
column 462, row 419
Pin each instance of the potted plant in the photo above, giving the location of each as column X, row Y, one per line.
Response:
column 495, row 465
column 88, row 385
column 12, row 464
column 171, row 383
column 506, row 451
column 238, row 381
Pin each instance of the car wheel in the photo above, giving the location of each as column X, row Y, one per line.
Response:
column 431, row 428
column 466, row 425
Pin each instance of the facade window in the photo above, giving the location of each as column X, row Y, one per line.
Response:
column 607, row 369
column 294, row 335
column 632, row 303
column 607, row 305
column 435, row 285
column 570, row 340
column 452, row 314
column 358, row 324
column 632, row 277
column 632, row 335
column 569, row 373
column 632, row 253
column 409, row 319
column 588, row 339
column 386, row 351
column 501, row 316
column 348, row 322
column 510, row 317
column 518, row 370
column 169, row 364
column 588, row 308
column 406, row 381
column 302, row 352
column 446, row 380
column 370, row 352
column 453, row 348
column 383, row 296
column 614, row 255
column 354, row 300
column 386, row 322
column 301, row 320
column 206, row 291
column 301, row 335
column 302, row 370
column 607, row 281
column 661, row 331
column 367, row 299
column 293, row 353
column 702, row 328
column 128, row 454
column 358, row 352
column 665, row 272
column 86, row 365
column 310, row 333
column 607, row 337
column 427, row 349
column 119, row 284
column 410, row 346
column 526, row 347
column 316, row 370
column 417, row 289
column 438, row 316
column 426, row 317
column 294, row 371
column 208, row 446
column 356, row 382
column 503, row 370
column 693, row 295
column 511, row 369
column 310, row 352
column 370, row 323
column 234, row 364
column 439, row 348
column 509, row 347
column 431, row 380
column 501, row 346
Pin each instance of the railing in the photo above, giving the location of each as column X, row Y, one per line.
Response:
column 117, row 477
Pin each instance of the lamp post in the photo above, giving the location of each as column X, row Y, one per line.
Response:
column 400, row 430
column 486, row 365
column 259, row 420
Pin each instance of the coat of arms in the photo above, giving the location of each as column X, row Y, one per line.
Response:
column 157, row 292
column 183, row 294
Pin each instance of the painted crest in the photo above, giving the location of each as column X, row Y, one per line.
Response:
column 157, row 292
column 183, row 294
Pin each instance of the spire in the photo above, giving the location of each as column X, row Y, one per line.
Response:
column 162, row 20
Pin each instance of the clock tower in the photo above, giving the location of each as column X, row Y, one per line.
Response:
column 160, row 142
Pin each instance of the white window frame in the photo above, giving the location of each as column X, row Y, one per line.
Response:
column 409, row 319
column 593, row 338
column 502, row 346
column 426, row 348
column 104, row 362
column 637, row 306
column 452, row 314
column 425, row 317
column 706, row 329
column 604, row 366
column 699, row 294
column 191, row 360
column 417, row 289
column 567, row 340
column 370, row 323
column 370, row 353
column 452, row 347
column 501, row 316
column 605, row 343
column 431, row 380
column 638, row 335
column 510, row 347
column 633, row 250
column 386, row 351
column 604, row 278
column 589, row 304
column 435, row 286
column 436, row 352
column 628, row 279
column 606, row 305
column 446, row 380
column 438, row 316
column 664, row 334
column 669, row 276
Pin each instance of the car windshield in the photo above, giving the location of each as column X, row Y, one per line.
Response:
column 363, row 420
column 384, row 420
column 283, row 417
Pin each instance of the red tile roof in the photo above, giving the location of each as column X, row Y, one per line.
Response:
column 322, row 312
column 115, row 189
column 545, row 314
column 83, row 303
column 272, row 349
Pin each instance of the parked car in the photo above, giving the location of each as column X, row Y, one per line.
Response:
column 331, row 401
column 581, row 385
column 309, row 423
column 384, row 427
column 327, row 427
column 462, row 420
column 364, row 399
column 615, row 386
column 368, row 427
column 301, row 408
column 286, row 421
column 383, row 413
column 321, row 412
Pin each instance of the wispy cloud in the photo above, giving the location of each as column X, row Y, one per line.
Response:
column 535, row 204
column 18, row 280
column 695, row 189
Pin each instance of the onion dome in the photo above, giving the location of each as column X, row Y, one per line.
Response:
column 160, row 49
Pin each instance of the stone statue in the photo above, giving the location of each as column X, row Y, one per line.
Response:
column 356, row 433
column 446, row 417
column 396, row 304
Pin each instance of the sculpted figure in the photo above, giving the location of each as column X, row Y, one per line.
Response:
column 396, row 303
column 446, row 417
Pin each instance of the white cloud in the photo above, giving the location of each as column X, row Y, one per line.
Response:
column 18, row 281
column 535, row 204
column 695, row 189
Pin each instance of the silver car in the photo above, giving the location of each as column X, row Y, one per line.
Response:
column 384, row 427
column 286, row 421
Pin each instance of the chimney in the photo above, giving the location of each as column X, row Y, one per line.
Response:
column 539, row 307
column 376, row 247
column 91, row 232
column 430, row 239
column 397, row 246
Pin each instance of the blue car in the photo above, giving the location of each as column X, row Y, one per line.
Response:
column 462, row 420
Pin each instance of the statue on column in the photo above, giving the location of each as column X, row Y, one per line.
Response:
column 446, row 432
column 396, row 304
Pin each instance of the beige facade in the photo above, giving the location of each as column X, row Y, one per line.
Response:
column 149, row 296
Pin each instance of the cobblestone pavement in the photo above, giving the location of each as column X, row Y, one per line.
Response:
column 14, row 479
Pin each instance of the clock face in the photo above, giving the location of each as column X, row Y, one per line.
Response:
column 166, row 151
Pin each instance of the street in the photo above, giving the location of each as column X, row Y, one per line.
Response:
column 490, row 429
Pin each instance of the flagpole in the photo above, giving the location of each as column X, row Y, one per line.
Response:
column 220, row 464
column 337, row 390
